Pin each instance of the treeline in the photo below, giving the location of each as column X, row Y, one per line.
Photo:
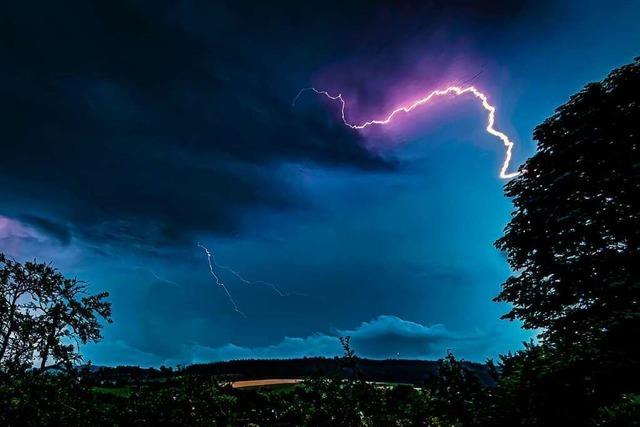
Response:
column 415, row 372
column 392, row 371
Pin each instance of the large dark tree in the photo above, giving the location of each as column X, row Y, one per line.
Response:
column 574, row 238
column 573, row 241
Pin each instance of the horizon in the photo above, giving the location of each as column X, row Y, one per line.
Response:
column 285, row 359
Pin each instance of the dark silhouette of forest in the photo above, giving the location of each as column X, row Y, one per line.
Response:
column 573, row 243
column 399, row 371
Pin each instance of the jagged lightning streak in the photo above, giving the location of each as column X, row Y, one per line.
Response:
column 171, row 282
column 219, row 282
column 211, row 258
column 245, row 281
column 451, row 90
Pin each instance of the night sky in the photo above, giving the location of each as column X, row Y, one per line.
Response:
column 134, row 130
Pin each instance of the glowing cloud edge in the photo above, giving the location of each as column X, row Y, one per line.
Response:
column 451, row 90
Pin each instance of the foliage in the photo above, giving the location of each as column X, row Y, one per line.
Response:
column 44, row 317
column 574, row 244
column 625, row 412
column 458, row 393
column 32, row 398
column 574, row 240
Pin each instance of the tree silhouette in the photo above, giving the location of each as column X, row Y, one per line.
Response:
column 574, row 238
column 44, row 317
column 574, row 244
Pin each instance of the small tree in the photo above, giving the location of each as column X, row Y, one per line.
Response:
column 44, row 317
column 457, row 393
column 15, row 287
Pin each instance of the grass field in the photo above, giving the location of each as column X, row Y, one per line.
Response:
column 124, row 391
column 274, row 382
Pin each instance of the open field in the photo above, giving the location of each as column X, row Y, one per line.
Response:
column 266, row 383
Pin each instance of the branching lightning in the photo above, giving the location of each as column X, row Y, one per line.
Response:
column 245, row 281
column 211, row 259
column 219, row 281
column 156, row 276
column 451, row 90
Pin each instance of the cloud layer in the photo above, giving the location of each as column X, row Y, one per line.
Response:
column 147, row 125
column 381, row 338
column 129, row 125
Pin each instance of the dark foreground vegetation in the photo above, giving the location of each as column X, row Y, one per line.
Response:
column 573, row 243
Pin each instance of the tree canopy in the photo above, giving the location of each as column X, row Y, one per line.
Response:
column 44, row 316
column 573, row 243
column 574, row 238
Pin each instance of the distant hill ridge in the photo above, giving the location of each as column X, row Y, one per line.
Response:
column 414, row 372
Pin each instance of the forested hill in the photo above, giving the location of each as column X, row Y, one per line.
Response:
column 391, row 370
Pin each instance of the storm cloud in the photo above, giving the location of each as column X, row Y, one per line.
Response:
column 381, row 338
column 146, row 124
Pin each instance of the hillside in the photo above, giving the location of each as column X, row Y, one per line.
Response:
column 414, row 372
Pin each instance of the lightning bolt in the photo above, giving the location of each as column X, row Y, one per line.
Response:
column 245, row 281
column 219, row 281
column 156, row 276
column 171, row 282
column 211, row 258
column 451, row 90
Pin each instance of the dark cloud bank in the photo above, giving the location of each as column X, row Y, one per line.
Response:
column 382, row 337
column 147, row 123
